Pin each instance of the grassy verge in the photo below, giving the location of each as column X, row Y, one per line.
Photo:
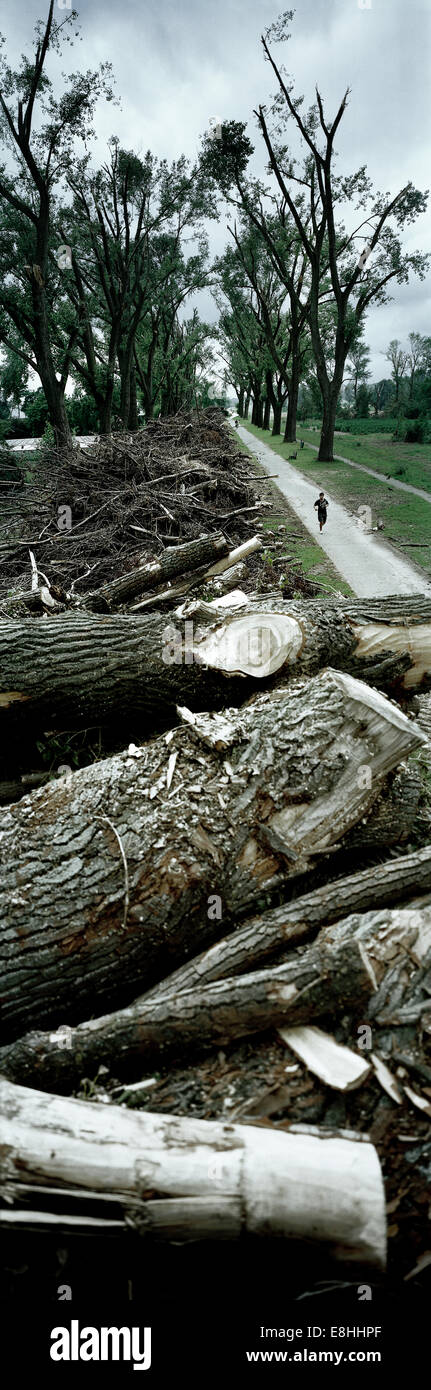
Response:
column 300, row 548
column 407, row 463
column 406, row 520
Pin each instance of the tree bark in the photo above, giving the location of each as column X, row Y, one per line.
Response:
column 292, row 403
column 270, row 935
column 350, row 968
column 113, row 884
column 175, row 560
column 186, row 1179
column 147, row 665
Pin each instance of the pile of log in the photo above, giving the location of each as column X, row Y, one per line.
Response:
column 100, row 513
column 80, row 669
column 257, row 865
column 117, row 877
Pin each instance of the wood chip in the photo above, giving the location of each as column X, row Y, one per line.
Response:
column 334, row 1064
column 171, row 769
column 386, row 1079
column 418, row 1101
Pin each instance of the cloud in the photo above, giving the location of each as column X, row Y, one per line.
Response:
column 178, row 64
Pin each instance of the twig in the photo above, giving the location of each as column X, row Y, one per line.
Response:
column 34, row 573
column 126, row 871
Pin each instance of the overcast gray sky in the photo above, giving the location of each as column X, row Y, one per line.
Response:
column 178, row 64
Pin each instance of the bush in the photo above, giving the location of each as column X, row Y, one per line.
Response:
column 366, row 426
column 82, row 412
column 17, row 428
column 418, row 431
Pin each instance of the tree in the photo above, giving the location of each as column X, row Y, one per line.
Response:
column 415, row 359
column 358, row 370
column 352, row 283
column 241, row 327
column 398, row 360
column 247, row 265
column 13, row 374
column 40, row 140
column 362, row 401
column 381, row 395
column 225, row 162
column 129, row 269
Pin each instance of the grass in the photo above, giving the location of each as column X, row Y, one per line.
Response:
column 314, row 561
column 405, row 518
column 408, row 463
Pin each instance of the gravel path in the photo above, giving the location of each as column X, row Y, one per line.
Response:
column 361, row 557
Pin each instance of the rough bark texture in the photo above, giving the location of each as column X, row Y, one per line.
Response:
column 90, row 669
column 107, row 875
column 189, row 1179
column 360, row 959
column 175, row 560
column 274, row 932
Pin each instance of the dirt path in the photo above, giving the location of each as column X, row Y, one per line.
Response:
column 364, row 561
column 381, row 477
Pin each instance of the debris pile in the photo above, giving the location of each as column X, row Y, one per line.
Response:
column 239, row 926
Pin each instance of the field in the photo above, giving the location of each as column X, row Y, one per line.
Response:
column 408, row 463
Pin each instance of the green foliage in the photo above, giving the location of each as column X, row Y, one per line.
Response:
column 365, row 426
column 414, row 431
column 362, row 402
column 224, row 158
column 36, row 412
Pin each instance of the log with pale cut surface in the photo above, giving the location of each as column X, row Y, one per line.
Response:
column 185, row 1179
column 175, row 560
column 107, row 873
column 85, row 669
column 362, row 965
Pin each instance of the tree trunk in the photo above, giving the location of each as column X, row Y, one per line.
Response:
column 58, row 416
column 326, row 447
column 133, row 412
column 106, row 410
column 179, row 559
column 276, row 428
column 247, row 405
column 292, row 405
column 273, row 933
column 109, row 873
column 205, row 659
column 349, row 970
column 241, row 402
column 187, row 1179
column 270, row 400
column 128, row 400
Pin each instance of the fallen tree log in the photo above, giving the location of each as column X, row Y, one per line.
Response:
column 108, row 874
column 275, row 931
column 13, row 790
column 178, row 559
column 366, row 957
column 84, row 669
column 184, row 1179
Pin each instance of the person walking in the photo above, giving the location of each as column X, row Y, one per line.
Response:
column 322, row 504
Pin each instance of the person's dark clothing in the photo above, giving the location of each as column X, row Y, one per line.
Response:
column 321, row 504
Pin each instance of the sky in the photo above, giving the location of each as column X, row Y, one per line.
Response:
column 176, row 65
